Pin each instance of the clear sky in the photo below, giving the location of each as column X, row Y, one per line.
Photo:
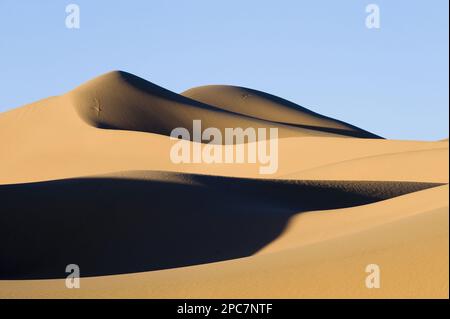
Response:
column 392, row 81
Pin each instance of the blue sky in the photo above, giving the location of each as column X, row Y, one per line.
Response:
column 392, row 81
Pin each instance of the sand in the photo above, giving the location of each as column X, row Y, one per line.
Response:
column 86, row 178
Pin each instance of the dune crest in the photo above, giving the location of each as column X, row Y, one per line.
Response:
column 123, row 101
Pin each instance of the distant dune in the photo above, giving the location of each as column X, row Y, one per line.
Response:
column 264, row 106
column 86, row 178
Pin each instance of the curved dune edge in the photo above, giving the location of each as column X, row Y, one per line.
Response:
column 410, row 248
column 397, row 166
column 122, row 101
column 141, row 221
column 61, row 145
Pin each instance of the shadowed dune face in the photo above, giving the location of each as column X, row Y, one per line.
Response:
column 152, row 220
column 327, row 213
column 122, row 101
column 272, row 108
column 119, row 100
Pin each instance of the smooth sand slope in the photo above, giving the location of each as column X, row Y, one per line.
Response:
column 86, row 178
column 264, row 106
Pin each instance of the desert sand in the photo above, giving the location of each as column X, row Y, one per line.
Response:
column 86, row 179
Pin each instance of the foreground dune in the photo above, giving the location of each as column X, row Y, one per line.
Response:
column 411, row 247
column 165, row 220
column 86, row 178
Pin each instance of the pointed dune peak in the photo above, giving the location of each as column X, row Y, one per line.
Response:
column 120, row 100
column 123, row 101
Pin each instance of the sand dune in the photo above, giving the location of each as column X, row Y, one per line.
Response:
column 86, row 178
column 268, row 107
column 111, row 233
column 411, row 245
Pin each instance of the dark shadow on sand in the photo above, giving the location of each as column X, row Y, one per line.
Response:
column 112, row 226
